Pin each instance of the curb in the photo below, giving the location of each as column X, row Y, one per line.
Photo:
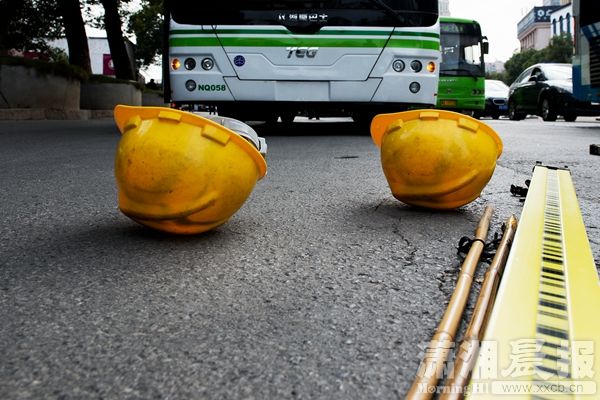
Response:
column 19, row 114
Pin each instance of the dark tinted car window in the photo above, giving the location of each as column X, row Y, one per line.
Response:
column 524, row 77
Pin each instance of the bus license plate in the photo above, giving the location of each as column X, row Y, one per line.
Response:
column 448, row 102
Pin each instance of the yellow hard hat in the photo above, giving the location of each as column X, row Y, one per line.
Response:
column 180, row 172
column 434, row 158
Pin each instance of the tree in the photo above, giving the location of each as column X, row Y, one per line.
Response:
column 79, row 52
column 520, row 61
column 116, row 41
column 147, row 26
column 27, row 25
column 499, row 76
column 560, row 50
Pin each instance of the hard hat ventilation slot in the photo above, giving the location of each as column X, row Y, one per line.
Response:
column 469, row 125
column 169, row 115
column 132, row 123
column 215, row 134
column 429, row 115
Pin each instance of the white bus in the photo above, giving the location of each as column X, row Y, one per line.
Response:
column 260, row 60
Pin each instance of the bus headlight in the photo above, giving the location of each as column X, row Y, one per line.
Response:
column 398, row 65
column 416, row 65
column 175, row 64
column 207, row 63
column 189, row 63
column 431, row 66
column 414, row 87
column 190, row 85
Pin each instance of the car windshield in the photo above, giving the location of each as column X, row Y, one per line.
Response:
column 558, row 72
column 495, row 85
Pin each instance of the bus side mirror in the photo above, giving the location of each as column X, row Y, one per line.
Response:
column 485, row 47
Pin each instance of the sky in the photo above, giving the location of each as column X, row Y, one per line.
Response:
column 498, row 20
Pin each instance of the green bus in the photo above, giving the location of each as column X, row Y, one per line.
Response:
column 462, row 68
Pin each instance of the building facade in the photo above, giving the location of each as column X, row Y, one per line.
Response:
column 444, row 8
column 562, row 21
column 100, row 58
column 556, row 2
column 494, row 66
column 533, row 30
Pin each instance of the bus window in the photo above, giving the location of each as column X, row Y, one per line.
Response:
column 326, row 12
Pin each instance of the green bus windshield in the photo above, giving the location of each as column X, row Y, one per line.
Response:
column 461, row 50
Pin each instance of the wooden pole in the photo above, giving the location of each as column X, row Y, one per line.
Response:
column 432, row 366
column 469, row 350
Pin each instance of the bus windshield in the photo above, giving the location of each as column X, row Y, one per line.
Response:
column 304, row 13
column 461, row 50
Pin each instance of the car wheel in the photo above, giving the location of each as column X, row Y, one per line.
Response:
column 570, row 117
column 547, row 110
column 513, row 114
column 496, row 116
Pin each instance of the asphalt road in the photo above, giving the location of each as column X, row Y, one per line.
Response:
column 321, row 286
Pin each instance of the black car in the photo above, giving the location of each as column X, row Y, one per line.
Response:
column 547, row 90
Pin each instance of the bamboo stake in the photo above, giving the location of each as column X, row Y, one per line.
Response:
column 432, row 366
column 469, row 350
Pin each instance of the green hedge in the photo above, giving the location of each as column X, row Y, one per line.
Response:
column 108, row 79
column 65, row 70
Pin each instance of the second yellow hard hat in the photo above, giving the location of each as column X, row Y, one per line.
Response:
column 434, row 158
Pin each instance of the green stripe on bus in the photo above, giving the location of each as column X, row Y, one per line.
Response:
column 424, row 34
column 286, row 32
column 291, row 41
column 415, row 44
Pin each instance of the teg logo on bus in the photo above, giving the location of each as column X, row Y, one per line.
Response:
column 301, row 52
column 212, row 88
